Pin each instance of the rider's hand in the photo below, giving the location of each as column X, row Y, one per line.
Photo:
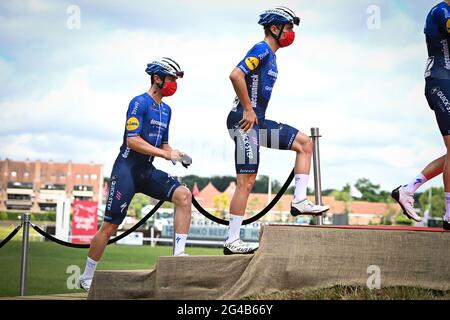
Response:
column 248, row 120
column 177, row 155
column 174, row 155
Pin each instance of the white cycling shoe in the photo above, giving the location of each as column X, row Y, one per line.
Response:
column 307, row 207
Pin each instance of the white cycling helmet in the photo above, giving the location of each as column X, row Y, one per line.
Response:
column 164, row 67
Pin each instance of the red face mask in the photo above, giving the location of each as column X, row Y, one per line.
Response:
column 288, row 39
column 169, row 89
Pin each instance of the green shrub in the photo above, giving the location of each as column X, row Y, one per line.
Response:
column 45, row 216
column 387, row 221
column 402, row 220
column 13, row 215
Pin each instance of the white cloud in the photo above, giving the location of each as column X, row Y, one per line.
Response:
column 367, row 99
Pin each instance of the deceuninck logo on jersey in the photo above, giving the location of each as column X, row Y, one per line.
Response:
column 132, row 123
column 252, row 63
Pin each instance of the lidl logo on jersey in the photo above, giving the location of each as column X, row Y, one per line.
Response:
column 132, row 124
column 252, row 63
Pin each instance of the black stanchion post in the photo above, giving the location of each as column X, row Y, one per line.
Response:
column 316, row 165
column 23, row 265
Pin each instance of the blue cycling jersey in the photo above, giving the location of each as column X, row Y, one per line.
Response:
column 437, row 33
column 260, row 69
column 150, row 121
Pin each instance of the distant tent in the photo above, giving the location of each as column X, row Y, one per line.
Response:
column 354, row 192
column 195, row 191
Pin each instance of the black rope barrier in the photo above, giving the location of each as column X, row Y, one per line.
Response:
column 256, row 216
column 10, row 236
column 157, row 206
column 85, row 246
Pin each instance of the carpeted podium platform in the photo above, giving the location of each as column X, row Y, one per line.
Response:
column 292, row 258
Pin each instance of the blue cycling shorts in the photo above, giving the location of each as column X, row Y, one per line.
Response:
column 127, row 179
column 267, row 133
column 437, row 92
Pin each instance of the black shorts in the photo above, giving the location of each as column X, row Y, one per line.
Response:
column 437, row 92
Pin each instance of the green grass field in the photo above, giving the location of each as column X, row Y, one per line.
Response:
column 48, row 263
column 5, row 231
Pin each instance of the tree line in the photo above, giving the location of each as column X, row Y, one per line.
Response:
column 432, row 201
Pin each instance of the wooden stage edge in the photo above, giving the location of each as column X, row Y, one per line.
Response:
column 61, row 296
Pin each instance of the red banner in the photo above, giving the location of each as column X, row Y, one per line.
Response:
column 84, row 221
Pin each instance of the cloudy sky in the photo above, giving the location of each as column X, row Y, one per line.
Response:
column 65, row 83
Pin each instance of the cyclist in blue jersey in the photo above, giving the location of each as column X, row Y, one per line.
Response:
column 253, row 80
column 437, row 92
column 146, row 137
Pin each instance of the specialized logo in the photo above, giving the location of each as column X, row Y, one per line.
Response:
column 122, row 207
column 235, row 104
column 418, row 181
column 170, row 178
column 429, row 66
column 435, row 90
column 252, row 63
column 132, row 123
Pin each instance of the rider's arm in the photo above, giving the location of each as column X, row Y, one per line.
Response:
column 166, row 147
column 237, row 78
column 138, row 144
column 248, row 65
